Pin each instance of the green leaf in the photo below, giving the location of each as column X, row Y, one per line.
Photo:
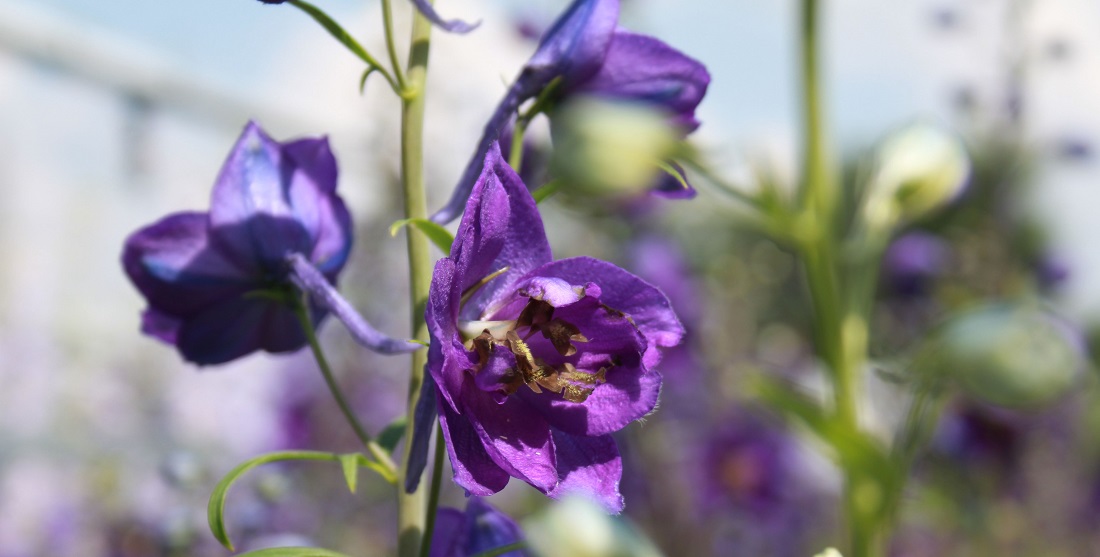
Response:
column 336, row 31
column 363, row 79
column 436, row 233
column 546, row 190
column 292, row 552
column 393, row 433
column 350, row 464
column 215, row 510
column 671, row 171
column 501, row 550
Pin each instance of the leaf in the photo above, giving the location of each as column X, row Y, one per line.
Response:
column 393, row 433
column 546, row 190
column 336, row 31
column 350, row 464
column 501, row 550
column 215, row 509
column 292, row 552
column 436, row 233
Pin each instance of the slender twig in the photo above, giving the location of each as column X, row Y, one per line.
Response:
column 433, row 495
column 391, row 48
column 374, row 448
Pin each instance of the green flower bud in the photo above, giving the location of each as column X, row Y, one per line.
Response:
column 577, row 527
column 1010, row 355
column 919, row 170
column 606, row 147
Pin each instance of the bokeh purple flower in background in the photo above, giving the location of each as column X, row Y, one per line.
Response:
column 537, row 361
column 480, row 528
column 584, row 53
column 913, row 262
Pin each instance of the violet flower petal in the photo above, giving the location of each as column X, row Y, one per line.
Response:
column 310, row 280
column 315, row 202
column 473, row 470
column 638, row 67
column 452, row 26
column 573, row 49
column 236, row 327
column 423, row 421
column 589, row 466
column 466, row 534
column 642, row 302
column 488, row 239
column 251, row 211
column 515, row 438
column 173, row 265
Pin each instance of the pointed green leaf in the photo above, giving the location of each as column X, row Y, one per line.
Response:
column 350, row 463
column 363, row 79
column 672, row 171
column 393, row 433
column 546, row 190
column 501, row 550
column 215, row 510
column 292, row 552
column 436, row 233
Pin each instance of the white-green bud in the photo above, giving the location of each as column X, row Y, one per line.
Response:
column 918, row 170
column 610, row 147
column 577, row 527
column 1010, row 355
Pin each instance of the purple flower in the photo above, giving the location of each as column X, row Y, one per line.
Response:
column 536, row 361
column 481, row 528
column 913, row 262
column 453, row 25
column 221, row 284
column 586, row 54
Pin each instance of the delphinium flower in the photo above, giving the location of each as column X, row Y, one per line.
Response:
column 537, row 361
column 584, row 53
column 913, row 262
column 224, row 283
column 480, row 528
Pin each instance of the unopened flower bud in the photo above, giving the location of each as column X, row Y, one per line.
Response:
column 611, row 148
column 576, row 527
column 919, row 169
column 1010, row 355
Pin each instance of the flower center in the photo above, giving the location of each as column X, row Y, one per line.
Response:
column 537, row 317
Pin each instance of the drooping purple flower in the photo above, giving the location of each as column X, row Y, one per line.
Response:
column 452, row 25
column 481, row 528
column 222, row 284
column 586, row 54
column 533, row 363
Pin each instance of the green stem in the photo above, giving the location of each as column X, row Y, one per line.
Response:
column 433, row 496
column 410, row 506
column 391, row 48
column 374, row 448
column 515, row 157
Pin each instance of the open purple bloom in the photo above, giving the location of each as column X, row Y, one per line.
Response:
column 452, row 25
column 584, row 53
column 533, row 363
column 481, row 528
column 221, row 284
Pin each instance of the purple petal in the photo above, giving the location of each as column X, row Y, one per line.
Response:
column 237, row 327
column 573, row 48
column 517, row 439
column 449, row 535
column 589, row 466
column 453, row 26
column 575, row 45
column 174, row 266
column 160, row 325
column 473, row 470
column 671, row 187
column 313, row 195
column 630, row 392
column 501, row 228
column 643, row 68
column 310, row 280
column 250, row 207
column 642, row 302
column 447, row 357
column 519, row 92
column 423, row 419
column 488, row 528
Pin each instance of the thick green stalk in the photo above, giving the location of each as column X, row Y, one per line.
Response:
column 410, row 506
column 841, row 332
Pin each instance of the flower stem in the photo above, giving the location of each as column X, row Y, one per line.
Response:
column 433, row 496
column 410, row 506
column 840, row 328
column 374, row 448
column 391, row 47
